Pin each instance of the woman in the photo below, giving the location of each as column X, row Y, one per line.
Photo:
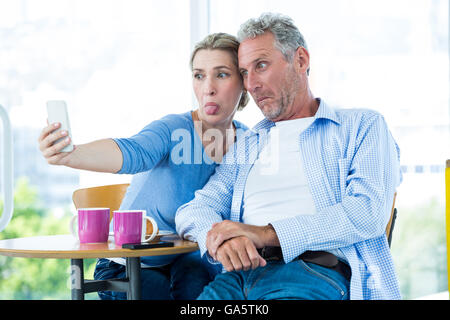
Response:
column 173, row 157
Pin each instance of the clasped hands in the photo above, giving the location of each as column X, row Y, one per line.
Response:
column 235, row 244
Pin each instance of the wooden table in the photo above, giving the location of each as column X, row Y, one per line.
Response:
column 66, row 247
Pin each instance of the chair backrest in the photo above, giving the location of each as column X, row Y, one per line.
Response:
column 109, row 196
column 391, row 223
column 447, row 215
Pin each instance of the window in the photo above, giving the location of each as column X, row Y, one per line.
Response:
column 118, row 64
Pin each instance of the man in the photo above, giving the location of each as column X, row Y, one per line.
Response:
column 313, row 228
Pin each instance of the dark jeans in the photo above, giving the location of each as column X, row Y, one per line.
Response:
column 296, row 280
column 183, row 279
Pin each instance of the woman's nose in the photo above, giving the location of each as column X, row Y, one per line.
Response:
column 210, row 88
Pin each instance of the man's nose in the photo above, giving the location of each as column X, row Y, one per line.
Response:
column 252, row 82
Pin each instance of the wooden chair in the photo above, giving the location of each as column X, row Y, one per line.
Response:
column 391, row 223
column 447, row 216
column 109, row 196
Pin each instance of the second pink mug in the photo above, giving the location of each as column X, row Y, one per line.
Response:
column 130, row 226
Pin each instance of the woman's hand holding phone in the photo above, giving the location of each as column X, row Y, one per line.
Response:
column 55, row 143
column 51, row 150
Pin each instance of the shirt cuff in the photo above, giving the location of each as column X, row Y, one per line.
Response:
column 201, row 241
column 291, row 238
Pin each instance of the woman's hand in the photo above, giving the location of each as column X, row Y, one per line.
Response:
column 50, row 150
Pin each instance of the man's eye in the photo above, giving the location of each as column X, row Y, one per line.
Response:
column 244, row 73
column 261, row 65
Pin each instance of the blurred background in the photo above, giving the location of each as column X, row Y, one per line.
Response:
column 121, row 64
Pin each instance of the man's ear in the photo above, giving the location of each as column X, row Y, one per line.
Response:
column 301, row 60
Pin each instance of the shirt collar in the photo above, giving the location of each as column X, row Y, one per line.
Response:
column 323, row 112
column 326, row 112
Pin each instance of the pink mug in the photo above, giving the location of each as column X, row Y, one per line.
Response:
column 130, row 226
column 93, row 225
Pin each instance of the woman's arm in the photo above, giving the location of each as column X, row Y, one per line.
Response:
column 101, row 155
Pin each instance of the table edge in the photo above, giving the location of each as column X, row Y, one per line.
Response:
column 97, row 253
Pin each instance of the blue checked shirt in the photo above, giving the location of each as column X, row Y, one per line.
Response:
column 351, row 162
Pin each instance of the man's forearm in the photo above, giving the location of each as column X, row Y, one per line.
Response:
column 262, row 236
column 270, row 236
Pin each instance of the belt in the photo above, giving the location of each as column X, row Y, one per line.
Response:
column 321, row 258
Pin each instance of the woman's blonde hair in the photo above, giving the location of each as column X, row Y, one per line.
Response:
column 225, row 42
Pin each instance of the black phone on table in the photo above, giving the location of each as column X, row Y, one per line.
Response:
column 147, row 245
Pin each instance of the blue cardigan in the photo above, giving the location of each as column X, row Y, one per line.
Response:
column 169, row 163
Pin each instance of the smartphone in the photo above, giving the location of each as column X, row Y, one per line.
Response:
column 147, row 245
column 57, row 112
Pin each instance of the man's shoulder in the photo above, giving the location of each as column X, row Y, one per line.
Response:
column 351, row 117
column 356, row 113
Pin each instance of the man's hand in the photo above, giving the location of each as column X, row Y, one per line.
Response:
column 225, row 230
column 239, row 253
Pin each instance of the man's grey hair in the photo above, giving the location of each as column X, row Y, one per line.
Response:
column 287, row 36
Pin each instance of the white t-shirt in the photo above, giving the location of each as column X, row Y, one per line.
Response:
column 276, row 186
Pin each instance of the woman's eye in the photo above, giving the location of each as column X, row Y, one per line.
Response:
column 198, row 76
